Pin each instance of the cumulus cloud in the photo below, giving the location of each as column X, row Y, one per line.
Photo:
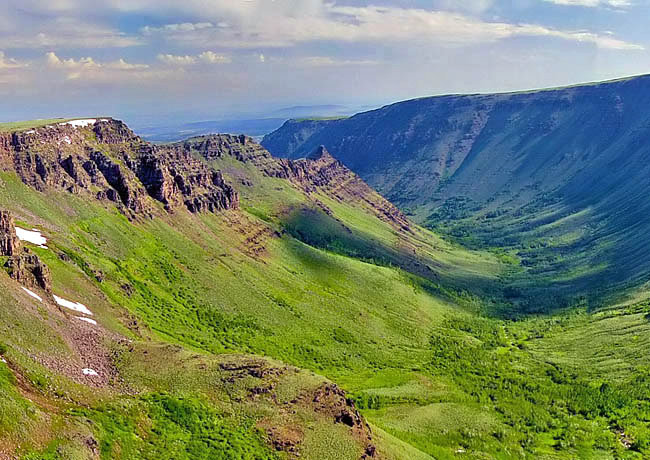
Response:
column 184, row 27
column 283, row 23
column 206, row 57
column 10, row 63
column 87, row 67
column 65, row 32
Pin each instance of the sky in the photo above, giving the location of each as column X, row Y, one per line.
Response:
column 211, row 59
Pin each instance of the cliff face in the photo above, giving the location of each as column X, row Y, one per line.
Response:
column 106, row 159
column 560, row 175
column 319, row 172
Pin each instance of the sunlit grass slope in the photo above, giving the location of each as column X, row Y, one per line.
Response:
column 393, row 317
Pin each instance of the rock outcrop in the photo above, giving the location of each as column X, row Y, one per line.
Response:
column 23, row 266
column 173, row 175
column 9, row 242
column 319, row 171
column 332, row 400
column 106, row 159
column 30, row 271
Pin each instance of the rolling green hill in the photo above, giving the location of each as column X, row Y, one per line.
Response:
column 254, row 308
column 557, row 179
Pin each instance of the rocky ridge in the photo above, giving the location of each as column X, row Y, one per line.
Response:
column 108, row 160
column 318, row 171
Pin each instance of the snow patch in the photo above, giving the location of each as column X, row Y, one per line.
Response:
column 31, row 236
column 67, row 140
column 88, row 320
column 33, row 294
column 75, row 306
column 82, row 123
column 90, row 372
column 31, row 131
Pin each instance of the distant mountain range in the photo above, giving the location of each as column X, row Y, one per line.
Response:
column 253, row 125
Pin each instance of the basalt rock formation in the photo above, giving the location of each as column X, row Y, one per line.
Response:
column 106, row 159
column 30, row 271
column 9, row 242
column 23, row 266
column 318, row 172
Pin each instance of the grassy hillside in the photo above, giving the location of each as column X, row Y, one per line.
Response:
column 18, row 126
column 214, row 330
column 557, row 179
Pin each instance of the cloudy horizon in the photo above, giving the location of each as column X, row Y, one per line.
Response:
column 203, row 59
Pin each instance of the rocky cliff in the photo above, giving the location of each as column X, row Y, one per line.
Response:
column 319, row 172
column 106, row 159
column 558, row 176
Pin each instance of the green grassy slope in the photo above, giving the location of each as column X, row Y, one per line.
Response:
column 188, row 302
column 18, row 126
column 557, row 178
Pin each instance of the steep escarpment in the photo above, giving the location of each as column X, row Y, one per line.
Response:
column 292, row 136
column 557, row 177
column 105, row 159
column 319, row 172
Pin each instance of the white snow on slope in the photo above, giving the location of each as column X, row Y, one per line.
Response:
column 76, row 306
column 33, row 294
column 90, row 372
column 31, row 236
column 82, row 123
column 88, row 320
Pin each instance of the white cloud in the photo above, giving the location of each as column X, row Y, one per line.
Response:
column 121, row 64
column 318, row 21
column 9, row 63
column 210, row 57
column 67, row 33
column 55, row 62
column 172, row 59
column 593, row 3
column 206, row 57
column 87, row 67
column 327, row 61
column 184, row 27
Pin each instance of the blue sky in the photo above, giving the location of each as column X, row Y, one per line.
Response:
column 202, row 59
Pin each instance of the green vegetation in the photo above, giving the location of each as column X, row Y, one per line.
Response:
column 215, row 309
column 31, row 124
column 176, row 428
